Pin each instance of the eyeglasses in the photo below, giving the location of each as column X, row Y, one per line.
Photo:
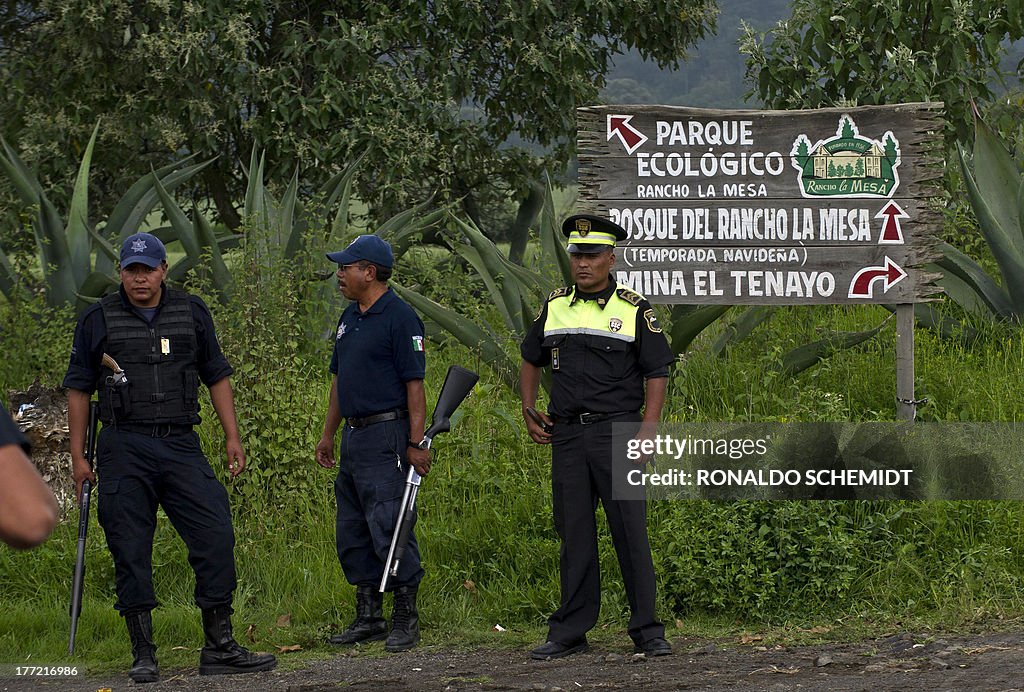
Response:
column 344, row 267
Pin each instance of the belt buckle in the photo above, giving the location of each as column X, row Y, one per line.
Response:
column 588, row 418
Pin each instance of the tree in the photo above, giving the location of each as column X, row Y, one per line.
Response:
column 864, row 52
column 471, row 98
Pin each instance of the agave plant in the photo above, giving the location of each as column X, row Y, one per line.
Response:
column 995, row 190
column 77, row 262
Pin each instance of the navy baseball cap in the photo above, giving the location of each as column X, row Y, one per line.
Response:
column 365, row 247
column 142, row 248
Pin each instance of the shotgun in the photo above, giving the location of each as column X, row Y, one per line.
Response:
column 78, row 581
column 458, row 383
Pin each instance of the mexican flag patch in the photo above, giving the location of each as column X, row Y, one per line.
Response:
column 417, row 343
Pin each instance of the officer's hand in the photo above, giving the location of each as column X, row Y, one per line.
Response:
column 536, row 432
column 81, row 471
column 420, row 459
column 644, row 440
column 325, row 452
column 236, row 457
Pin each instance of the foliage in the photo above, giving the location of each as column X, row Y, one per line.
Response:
column 864, row 52
column 475, row 98
column 76, row 262
column 995, row 190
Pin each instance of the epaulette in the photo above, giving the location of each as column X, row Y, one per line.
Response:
column 631, row 297
column 559, row 292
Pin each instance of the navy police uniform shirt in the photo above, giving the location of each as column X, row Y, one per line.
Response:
column 375, row 353
column 91, row 334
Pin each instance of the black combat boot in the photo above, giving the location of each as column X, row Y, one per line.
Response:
column 405, row 621
column 369, row 625
column 222, row 655
column 140, row 630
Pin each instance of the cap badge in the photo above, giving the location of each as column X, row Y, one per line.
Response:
column 138, row 246
column 583, row 227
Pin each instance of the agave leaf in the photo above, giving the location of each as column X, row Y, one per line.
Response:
column 552, row 242
column 403, row 238
column 10, row 282
column 290, row 233
column 501, row 270
column 183, row 228
column 104, row 251
column 94, row 287
column 472, row 256
column 132, row 209
column 255, row 204
column 466, row 332
column 338, row 190
column 966, row 282
column 77, row 230
column 53, row 255
column 803, row 357
column 741, row 327
column 223, row 281
column 399, row 229
column 999, row 238
column 24, row 181
column 690, row 320
column 998, row 176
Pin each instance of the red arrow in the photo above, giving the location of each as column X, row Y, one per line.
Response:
column 892, row 234
column 630, row 137
column 862, row 285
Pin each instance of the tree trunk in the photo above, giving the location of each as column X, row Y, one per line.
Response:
column 519, row 232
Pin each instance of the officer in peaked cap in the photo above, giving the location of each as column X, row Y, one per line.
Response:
column 590, row 235
column 609, row 364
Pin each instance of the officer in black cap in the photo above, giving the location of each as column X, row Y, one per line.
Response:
column 609, row 359
column 163, row 340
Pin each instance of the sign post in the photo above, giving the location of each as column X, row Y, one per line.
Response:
column 827, row 206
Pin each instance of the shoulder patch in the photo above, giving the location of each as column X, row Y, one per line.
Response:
column 631, row 297
column 652, row 321
column 559, row 292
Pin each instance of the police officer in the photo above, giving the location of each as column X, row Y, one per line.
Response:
column 163, row 340
column 608, row 358
column 378, row 366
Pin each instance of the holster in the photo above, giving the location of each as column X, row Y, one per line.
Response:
column 118, row 401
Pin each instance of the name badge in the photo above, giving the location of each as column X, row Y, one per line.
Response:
column 165, row 346
column 554, row 359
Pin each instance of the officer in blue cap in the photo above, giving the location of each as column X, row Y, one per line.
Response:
column 148, row 454
column 378, row 366
column 609, row 359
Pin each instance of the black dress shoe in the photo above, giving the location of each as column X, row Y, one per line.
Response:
column 549, row 649
column 656, row 646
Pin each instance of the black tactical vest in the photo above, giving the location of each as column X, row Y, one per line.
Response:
column 158, row 359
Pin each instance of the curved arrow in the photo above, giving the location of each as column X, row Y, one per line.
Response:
column 891, row 234
column 631, row 138
column 862, row 285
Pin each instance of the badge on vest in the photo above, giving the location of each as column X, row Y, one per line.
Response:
column 554, row 359
column 615, row 324
column 165, row 346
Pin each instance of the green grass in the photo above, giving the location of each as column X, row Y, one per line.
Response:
column 787, row 570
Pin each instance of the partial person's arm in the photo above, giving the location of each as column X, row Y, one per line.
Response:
column 78, row 421
column 325, row 447
column 416, row 399
column 223, row 398
column 28, row 510
column 529, row 385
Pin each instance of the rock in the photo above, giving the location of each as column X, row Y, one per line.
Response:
column 614, row 658
column 823, row 660
column 939, row 664
column 638, row 658
column 704, row 650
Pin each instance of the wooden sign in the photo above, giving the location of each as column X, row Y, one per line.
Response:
column 767, row 207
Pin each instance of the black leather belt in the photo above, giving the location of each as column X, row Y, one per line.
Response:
column 153, row 429
column 589, row 418
column 377, row 418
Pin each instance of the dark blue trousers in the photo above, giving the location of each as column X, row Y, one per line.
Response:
column 581, row 474
column 138, row 472
column 372, row 468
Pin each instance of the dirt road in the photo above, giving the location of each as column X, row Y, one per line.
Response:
column 902, row 661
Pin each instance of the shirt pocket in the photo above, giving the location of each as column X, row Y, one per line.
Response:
column 608, row 358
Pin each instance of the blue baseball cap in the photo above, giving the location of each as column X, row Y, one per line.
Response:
column 365, row 247
column 142, row 248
